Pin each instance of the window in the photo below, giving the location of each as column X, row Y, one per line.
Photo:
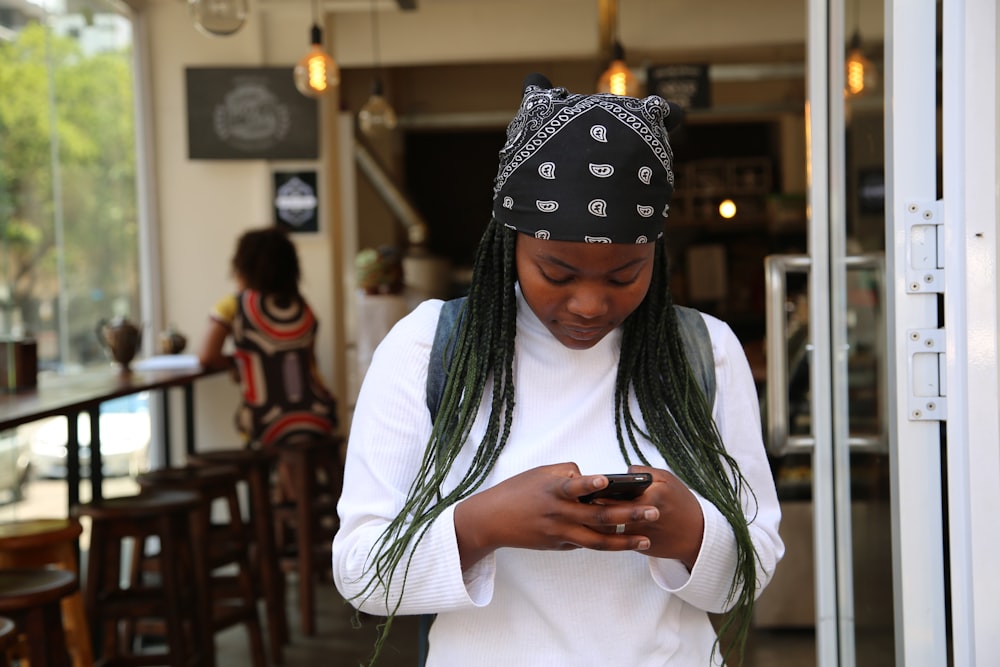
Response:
column 69, row 214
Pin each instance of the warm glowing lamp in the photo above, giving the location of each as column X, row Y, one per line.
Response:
column 316, row 74
column 376, row 115
column 618, row 79
column 727, row 209
column 860, row 75
column 218, row 17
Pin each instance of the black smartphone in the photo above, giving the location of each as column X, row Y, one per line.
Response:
column 624, row 486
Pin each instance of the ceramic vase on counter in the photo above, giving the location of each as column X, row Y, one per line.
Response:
column 121, row 338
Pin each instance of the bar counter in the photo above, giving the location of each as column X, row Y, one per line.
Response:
column 72, row 394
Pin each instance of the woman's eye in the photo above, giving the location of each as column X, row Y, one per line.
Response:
column 622, row 282
column 560, row 280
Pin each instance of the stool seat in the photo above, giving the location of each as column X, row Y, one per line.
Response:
column 21, row 588
column 142, row 506
column 31, row 598
column 50, row 542
column 30, row 533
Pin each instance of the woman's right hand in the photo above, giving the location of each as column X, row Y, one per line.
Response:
column 540, row 509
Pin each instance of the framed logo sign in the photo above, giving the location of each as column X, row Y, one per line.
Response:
column 250, row 113
column 296, row 201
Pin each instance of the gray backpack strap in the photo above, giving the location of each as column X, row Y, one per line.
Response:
column 698, row 349
column 442, row 352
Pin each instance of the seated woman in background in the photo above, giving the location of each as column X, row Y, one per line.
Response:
column 273, row 330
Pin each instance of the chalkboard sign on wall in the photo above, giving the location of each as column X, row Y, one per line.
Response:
column 249, row 113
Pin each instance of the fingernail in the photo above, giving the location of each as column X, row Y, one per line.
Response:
column 651, row 515
column 643, row 545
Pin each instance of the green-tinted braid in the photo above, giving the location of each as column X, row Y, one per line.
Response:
column 655, row 366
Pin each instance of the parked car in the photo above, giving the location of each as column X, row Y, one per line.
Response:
column 124, row 431
column 14, row 464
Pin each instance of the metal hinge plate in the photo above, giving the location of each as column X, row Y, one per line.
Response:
column 925, row 242
column 928, row 383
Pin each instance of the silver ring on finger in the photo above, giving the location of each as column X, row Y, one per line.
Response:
column 619, row 529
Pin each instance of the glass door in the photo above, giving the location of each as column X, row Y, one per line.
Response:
column 827, row 421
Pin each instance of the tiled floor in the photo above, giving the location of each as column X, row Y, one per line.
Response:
column 336, row 643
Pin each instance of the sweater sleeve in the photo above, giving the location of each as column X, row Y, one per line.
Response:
column 737, row 415
column 389, row 433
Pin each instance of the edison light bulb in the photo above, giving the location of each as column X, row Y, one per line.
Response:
column 218, row 17
column 618, row 79
column 860, row 75
column 377, row 115
column 316, row 74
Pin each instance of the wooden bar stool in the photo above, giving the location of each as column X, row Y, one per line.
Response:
column 8, row 640
column 136, row 522
column 306, row 514
column 31, row 598
column 39, row 542
column 255, row 467
column 230, row 599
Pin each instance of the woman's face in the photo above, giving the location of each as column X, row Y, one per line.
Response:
column 582, row 291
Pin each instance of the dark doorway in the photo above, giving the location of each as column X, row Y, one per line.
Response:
column 449, row 176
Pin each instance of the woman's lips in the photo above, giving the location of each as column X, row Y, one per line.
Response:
column 583, row 333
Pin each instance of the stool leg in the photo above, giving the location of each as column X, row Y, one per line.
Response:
column 175, row 560
column 306, row 475
column 47, row 639
column 200, row 534
column 97, row 575
column 272, row 582
column 75, row 623
column 245, row 580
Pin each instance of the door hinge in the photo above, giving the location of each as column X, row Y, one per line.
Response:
column 925, row 246
column 928, row 386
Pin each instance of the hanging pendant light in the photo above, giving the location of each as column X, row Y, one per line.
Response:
column 218, row 17
column 617, row 79
column 860, row 74
column 376, row 115
column 316, row 74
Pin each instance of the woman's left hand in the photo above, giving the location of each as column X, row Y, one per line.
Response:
column 678, row 531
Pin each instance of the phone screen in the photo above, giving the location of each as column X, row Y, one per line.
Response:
column 624, row 486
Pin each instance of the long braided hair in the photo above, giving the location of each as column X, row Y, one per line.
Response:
column 653, row 364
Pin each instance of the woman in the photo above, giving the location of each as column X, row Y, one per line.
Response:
column 568, row 365
column 273, row 330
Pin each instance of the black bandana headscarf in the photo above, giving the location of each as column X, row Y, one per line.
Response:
column 592, row 168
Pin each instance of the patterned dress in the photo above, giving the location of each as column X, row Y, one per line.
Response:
column 283, row 395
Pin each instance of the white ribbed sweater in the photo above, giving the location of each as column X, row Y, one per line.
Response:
column 523, row 607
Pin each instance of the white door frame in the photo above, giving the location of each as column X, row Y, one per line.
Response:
column 915, row 349
column 971, row 190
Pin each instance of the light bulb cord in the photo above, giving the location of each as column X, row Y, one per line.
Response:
column 376, row 60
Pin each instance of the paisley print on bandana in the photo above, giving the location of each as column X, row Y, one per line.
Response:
column 590, row 168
